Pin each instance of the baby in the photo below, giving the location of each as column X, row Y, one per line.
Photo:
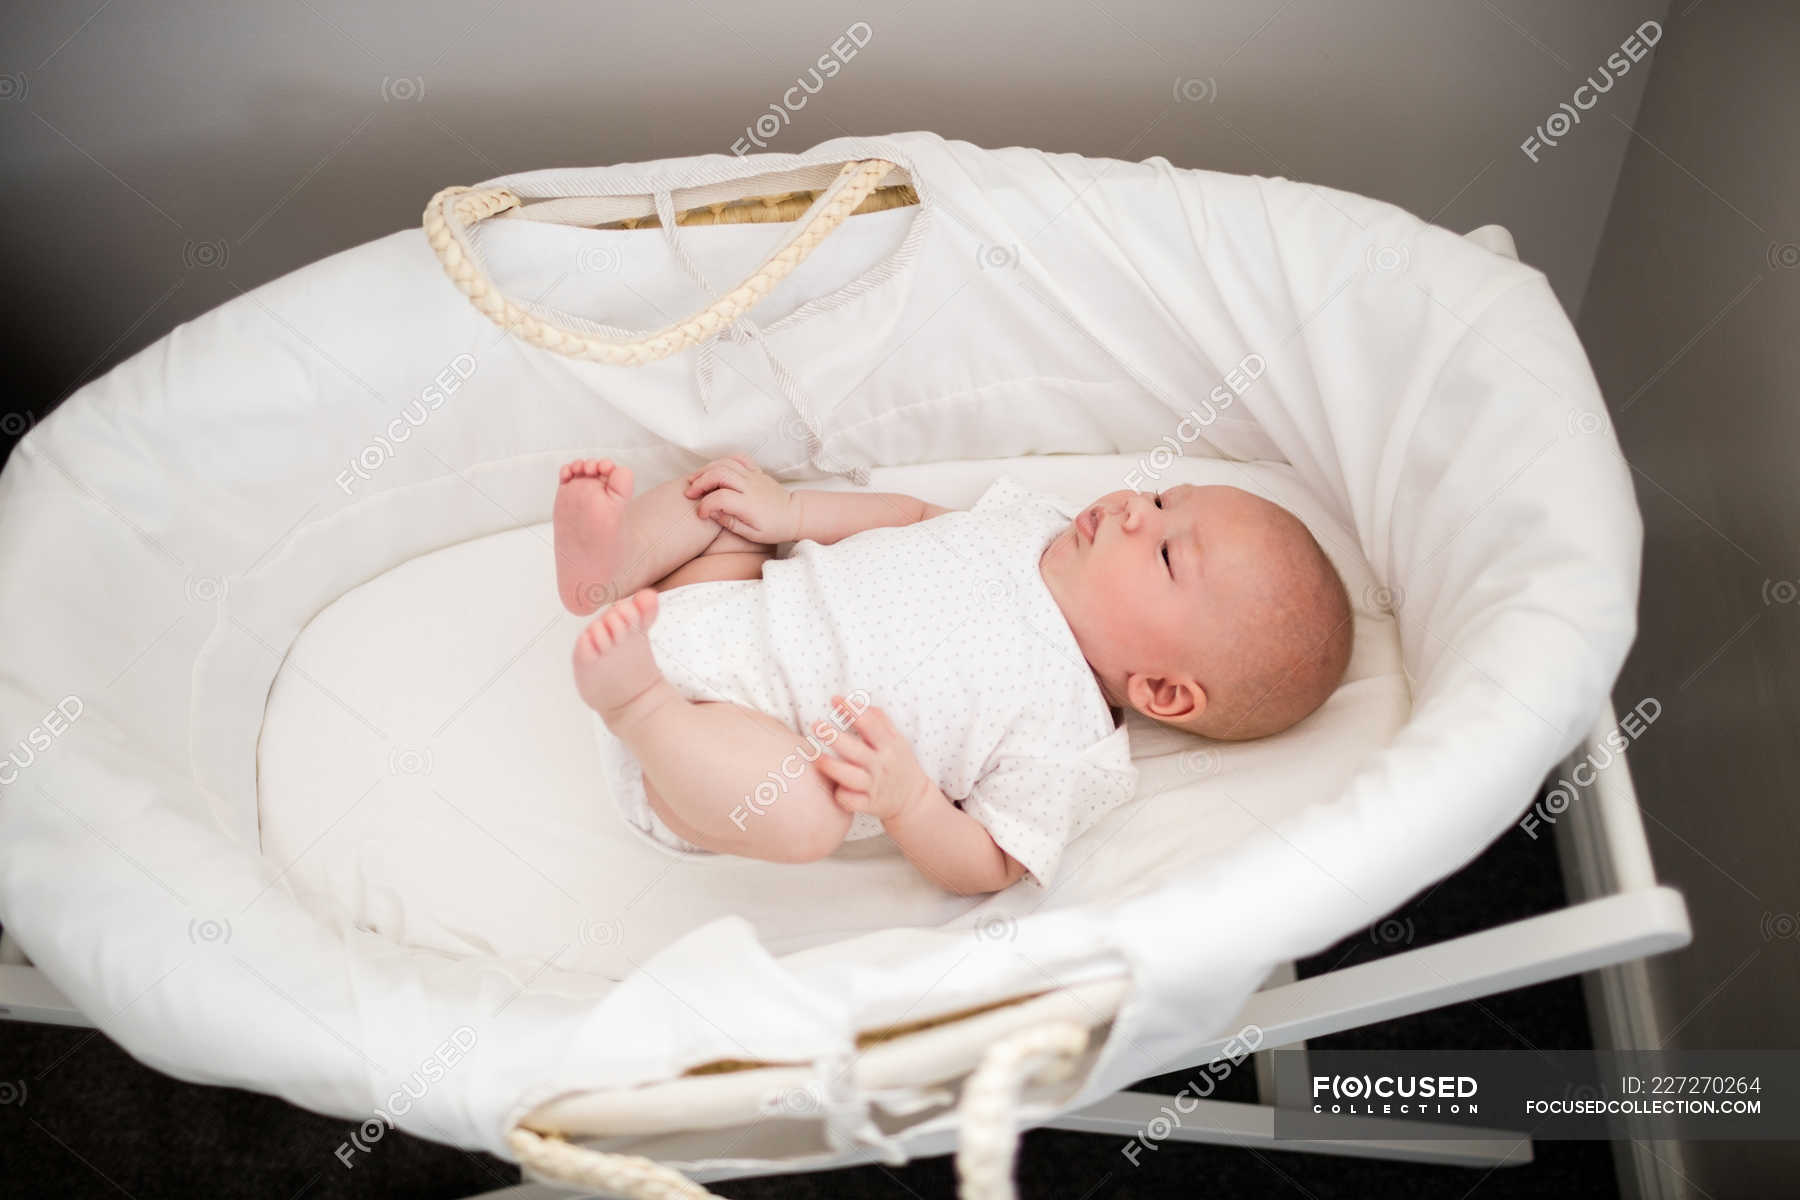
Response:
column 958, row 673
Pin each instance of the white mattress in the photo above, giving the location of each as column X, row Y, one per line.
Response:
column 427, row 772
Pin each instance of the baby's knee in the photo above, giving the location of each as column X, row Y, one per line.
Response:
column 809, row 832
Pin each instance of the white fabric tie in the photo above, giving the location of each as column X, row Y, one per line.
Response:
column 745, row 330
column 843, row 1108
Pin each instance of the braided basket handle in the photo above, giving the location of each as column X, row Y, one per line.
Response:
column 989, row 1140
column 453, row 210
column 626, row 1176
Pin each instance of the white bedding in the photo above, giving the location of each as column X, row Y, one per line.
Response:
column 427, row 772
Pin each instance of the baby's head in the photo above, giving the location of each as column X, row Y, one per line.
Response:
column 1206, row 608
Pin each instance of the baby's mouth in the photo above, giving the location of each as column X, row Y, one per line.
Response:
column 1087, row 524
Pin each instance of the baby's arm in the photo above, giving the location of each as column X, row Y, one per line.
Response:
column 827, row 517
column 877, row 773
column 952, row 847
column 748, row 501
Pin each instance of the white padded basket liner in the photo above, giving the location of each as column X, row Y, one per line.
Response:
column 478, row 824
column 172, row 529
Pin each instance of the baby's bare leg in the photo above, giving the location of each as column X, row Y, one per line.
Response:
column 609, row 544
column 719, row 561
column 703, row 762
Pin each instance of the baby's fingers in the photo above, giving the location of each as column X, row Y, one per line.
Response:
column 741, row 460
column 722, row 503
column 875, row 727
column 852, row 801
column 724, row 473
column 844, row 774
column 851, row 745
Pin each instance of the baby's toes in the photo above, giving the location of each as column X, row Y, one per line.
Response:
column 643, row 605
column 595, row 640
column 622, row 619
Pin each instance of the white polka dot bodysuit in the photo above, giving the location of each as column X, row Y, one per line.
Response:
column 947, row 626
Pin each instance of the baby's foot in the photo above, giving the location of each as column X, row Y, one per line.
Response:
column 590, row 499
column 613, row 662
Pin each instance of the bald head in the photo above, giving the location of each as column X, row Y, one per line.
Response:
column 1204, row 607
column 1285, row 638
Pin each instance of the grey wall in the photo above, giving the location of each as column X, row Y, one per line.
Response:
column 140, row 144
column 1691, row 321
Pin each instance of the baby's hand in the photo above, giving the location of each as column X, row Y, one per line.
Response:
column 740, row 496
column 878, row 773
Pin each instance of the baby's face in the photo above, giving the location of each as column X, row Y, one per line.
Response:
column 1152, row 582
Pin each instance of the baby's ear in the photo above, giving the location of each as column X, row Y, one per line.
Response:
column 1177, row 699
